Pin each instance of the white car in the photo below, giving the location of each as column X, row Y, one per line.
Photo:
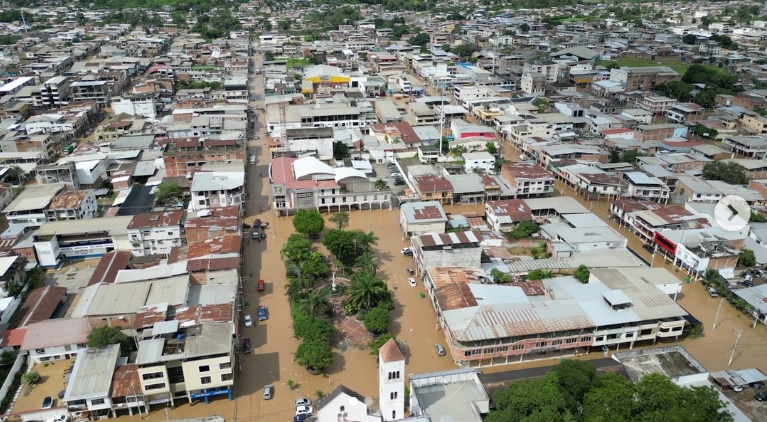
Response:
column 303, row 410
column 412, row 282
column 248, row 321
column 737, row 388
column 303, row 402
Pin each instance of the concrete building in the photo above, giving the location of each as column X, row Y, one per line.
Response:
column 503, row 216
column 343, row 404
column 155, row 233
column 55, row 339
column 30, row 205
column 216, row 190
column 77, row 205
column 481, row 161
column 90, row 383
column 641, row 186
column 417, row 218
column 449, row 249
column 643, row 78
column 529, row 180
column 391, row 381
column 449, row 395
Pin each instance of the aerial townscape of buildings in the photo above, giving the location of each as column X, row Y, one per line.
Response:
column 515, row 186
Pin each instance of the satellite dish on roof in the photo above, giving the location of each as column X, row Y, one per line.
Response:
column 368, row 401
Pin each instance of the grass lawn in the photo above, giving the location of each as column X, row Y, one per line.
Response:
column 678, row 65
column 295, row 63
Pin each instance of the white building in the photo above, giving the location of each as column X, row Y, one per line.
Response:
column 216, row 190
column 134, row 107
column 90, row 382
column 154, row 233
column 482, row 160
column 55, row 339
column 418, row 218
column 343, row 404
column 391, row 381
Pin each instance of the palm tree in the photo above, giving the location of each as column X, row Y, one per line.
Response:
column 365, row 241
column 315, row 303
column 380, row 185
column 296, row 272
column 294, row 289
column 366, row 291
column 367, row 262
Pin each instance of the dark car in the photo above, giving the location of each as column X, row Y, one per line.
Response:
column 757, row 384
column 649, row 248
column 761, row 396
column 246, row 346
column 47, row 403
column 410, row 271
column 245, row 225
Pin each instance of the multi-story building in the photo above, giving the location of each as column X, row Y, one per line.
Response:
column 155, row 233
column 659, row 132
column 656, row 104
column 55, row 92
column 30, row 205
column 71, row 334
column 494, row 324
column 416, row 218
column 754, row 124
column 481, row 161
column 504, row 215
column 528, row 179
column 432, row 187
column 58, row 173
column 193, row 362
column 391, row 381
column 685, row 113
column 91, row 90
column 460, row 249
column 216, row 190
column 533, row 83
column 77, row 205
column 746, row 146
column 643, row 78
column 186, row 162
column 640, row 186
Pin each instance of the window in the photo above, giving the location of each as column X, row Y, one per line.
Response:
column 542, row 344
column 599, row 338
column 393, row 395
column 155, row 386
column 151, row 376
column 584, row 339
column 39, row 351
column 205, row 380
column 225, row 365
column 518, row 347
column 204, row 368
column 556, row 342
column 227, row 377
column 571, row 340
column 97, row 402
column 629, row 335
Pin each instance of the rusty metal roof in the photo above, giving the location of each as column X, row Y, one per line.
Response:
column 109, row 264
column 156, row 219
column 438, row 239
column 212, row 264
column 125, row 381
column 40, row 305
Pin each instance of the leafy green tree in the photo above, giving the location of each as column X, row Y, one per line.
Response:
column 746, row 258
column 297, row 248
column 366, row 292
column 377, row 320
column 104, row 336
column 690, row 39
column 8, row 358
column 309, row 222
column 340, row 150
column 367, row 262
column 524, row 230
column 531, row 400
column 30, row 377
column 574, row 378
column 268, row 55
column 422, row 38
column 314, row 303
column 341, row 243
column 307, row 327
column 340, row 219
column 524, row 28
column 380, row 185
column 676, row 89
column 378, row 342
column 582, row 274
column 728, row 172
column 610, row 399
column 168, row 193
column 757, row 218
column 491, row 148
column 539, row 274
column 500, row 276
column 314, row 353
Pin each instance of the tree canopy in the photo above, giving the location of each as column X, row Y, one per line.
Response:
column 314, row 353
column 573, row 391
column 168, row 193
column 377, row 320
column 582, row 274
column 104, row 336
column 727, row 172
column 524, row 229
column 348, row 245
column 309, row 222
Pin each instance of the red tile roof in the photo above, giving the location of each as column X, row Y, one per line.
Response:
column 390, row 352
column 156, row 219
column 40, row 305
column 109, row 265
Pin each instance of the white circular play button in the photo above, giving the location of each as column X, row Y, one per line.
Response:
column 732, row 213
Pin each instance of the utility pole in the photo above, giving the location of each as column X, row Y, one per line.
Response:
column 734, row 346
column 716, row 317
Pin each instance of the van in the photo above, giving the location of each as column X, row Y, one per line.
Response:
column 440, row 350
column 712, row 292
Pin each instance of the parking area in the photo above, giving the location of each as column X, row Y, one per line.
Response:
column 52, row 377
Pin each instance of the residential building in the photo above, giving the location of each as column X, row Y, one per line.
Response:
column 685, row 113
column 417, row 218
column 656, row 104
column 90, row 382
column 481, row 161
column 641, row 186
column 29, row 206
column 431, row 187
column 12, row 273
column 457, row 394
column 533, row 83
column 211, row 223
column 643, row 78
column 746, row 146
column 155, row 233
column 645, row 223
column 186, row 361
column 76, row 205
column 698, row 250
column 504, row 215
column 58, row 173
column 216, row 190
column 78, row 239
column 754, row 124
column 529, row 180
column 447, row 249
column 144, row 107
column 91, row 90
column 391, row 381
column 659, row 132
column 55, row 92
column 696, row 189
column 55, row 339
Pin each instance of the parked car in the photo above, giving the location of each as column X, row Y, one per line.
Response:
column 303, row 401
column 47, row 403
column 747, row 283
column 60, row 418
column 262, row 313
column 261, row 285
column 440, row 350
column 245, row 226
column 712, row 292
column 268, row 389
column 407, row 251
column 412, row 282
column 410, row 271
column 399, row 182
column 737, row 388
column 246, row 346
column 762, row 396
column 757, row 384
column 304, row 410
column 256, row 234
column 301, row 418
column 248, row 321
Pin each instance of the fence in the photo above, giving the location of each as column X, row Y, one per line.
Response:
column 20, row 359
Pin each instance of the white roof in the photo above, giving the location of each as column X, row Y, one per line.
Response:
column 92, row 373
column 34, row 197
column 346, row 172
column 308, row 166
column 214, row 181
column 6, row 262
